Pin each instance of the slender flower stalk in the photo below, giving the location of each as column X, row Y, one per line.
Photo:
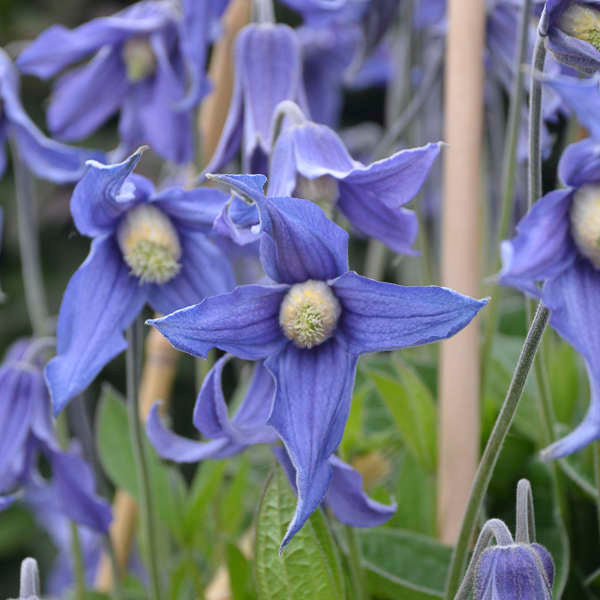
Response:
column 596, row 449
column 508, row 179
column 78, row 568
column 134, row 356
column 493, row 448
column 356, row 569
column 35, row 296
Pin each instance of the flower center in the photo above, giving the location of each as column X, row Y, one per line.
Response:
column 150, row 244
column 309, row 313
column 585, row 222
column 581, row 22
column 323, row 191
column 139, row 59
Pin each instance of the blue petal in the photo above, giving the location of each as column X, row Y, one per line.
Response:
column 102, row 196
column 580, row 163
column 248, row 186
column 205, row 271
column 58, row 47
column 15, row 417
column 100, row 302
column 583, row 97
column 244, row 322
column 543, row 246
column 573, row 52
column 86, row 97
column 314, row 389
column 194, row 210
column 179, row 449
column 239, row 222
column 73, row 482
column 383, row 316
column 572, row 298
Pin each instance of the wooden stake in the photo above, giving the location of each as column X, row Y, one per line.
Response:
column 461, row 249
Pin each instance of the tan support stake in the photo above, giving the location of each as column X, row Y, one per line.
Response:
column 461, row 260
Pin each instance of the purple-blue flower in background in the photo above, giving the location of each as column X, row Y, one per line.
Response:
column 148, row 63
column 572, row 31
column 268, row 70
column 310, row 161
column 558, row 243
column 229, row 436
column 146, row 247
column 44, row 157
column 27, row 432
column 310, row 326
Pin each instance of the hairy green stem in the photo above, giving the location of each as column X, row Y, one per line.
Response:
column 493, row 448
column 134, row 363
column 509, row 164
column 356, row 570
column 35, row 296
column 535, row 123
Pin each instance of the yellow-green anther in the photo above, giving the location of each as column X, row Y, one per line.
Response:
column 323, row 191
column 309, row 313
column 150, row 244
column 585, row 222
column 581, row 22
column 139, row 59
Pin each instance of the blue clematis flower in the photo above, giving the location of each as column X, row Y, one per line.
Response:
column 146, row 247
column 228, row 437
column 144, row 58
column 44, row 157
column 268, row 69
column 310, row 161
column 572, row 31
column 310, row 327
column 27, row 432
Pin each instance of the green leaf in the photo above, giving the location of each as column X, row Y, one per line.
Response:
column 410, row 402
column 240, row 574
column 232, row 503
column 402, row 560
column 310, row 567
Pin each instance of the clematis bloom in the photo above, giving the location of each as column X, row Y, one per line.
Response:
column 310, row 326
column 146, row 247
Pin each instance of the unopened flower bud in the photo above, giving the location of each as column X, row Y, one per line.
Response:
column 309, row 313
column 585, row 222
column 150, row 244
column 323, row 191
column 139, row 58
column 581, row 22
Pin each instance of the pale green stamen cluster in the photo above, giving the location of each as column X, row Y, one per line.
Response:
column 150, row 244
column 581, row 22
column 139, row 59
column 309, row 313
column 585, row 222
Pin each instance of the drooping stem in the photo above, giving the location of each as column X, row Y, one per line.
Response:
column 493, row 448
column 263, row 11
column 134, row 363
column 509, row 164
column 35, row 296
column 356, row 569
column 535, row 123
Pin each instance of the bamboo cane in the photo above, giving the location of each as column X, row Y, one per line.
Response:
column 160, row 356
column 459, row 356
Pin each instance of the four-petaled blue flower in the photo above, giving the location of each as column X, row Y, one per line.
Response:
column 147, row 247
column 310, row 327
column 229, row 436
column 144, row 58
column 44, row 157
column 27, row 431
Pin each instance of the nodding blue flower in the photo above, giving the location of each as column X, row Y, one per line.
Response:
column 27, row 432
column 148, row 63
column 310, row 161
column 44, row 157
column 229, row 436
column 268, row 69
column 557, row 244
column 146, row 247
column 310, row 326
column 572, row 31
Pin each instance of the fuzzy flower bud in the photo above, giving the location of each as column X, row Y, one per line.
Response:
column 581, row 22
column 150, row 244
column 585, row 222
column 309, row 313
column 323, row 191
column 139, row 59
